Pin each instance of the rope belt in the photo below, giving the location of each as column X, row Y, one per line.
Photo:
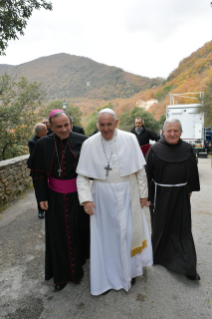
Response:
column 165, row 185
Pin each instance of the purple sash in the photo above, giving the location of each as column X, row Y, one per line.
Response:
column 63, row 186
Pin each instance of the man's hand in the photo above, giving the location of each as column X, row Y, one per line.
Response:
column 88, row 207
column 143, row 202
column 44, row 205
column 148, row 203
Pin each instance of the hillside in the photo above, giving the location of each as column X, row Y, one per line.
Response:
column 193, row 68
column 192, row 75
column 5, row 67
column 91, row 85
column 68, row 76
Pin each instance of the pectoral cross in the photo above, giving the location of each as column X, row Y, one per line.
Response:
column 59, row 171
column 108, row 168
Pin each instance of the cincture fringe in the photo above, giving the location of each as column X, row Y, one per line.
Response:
column 139, row 249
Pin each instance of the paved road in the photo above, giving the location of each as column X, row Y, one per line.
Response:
column 158, row 294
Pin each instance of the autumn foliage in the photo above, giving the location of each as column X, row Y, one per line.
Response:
column 88, row 86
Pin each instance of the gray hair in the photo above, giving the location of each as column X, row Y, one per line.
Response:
column 57, row 114
column 171, row 120
column 108, row 111
column 139, row 118
column 39, row 127
column 71, row 119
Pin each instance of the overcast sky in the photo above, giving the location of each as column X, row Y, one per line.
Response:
column 144, row 37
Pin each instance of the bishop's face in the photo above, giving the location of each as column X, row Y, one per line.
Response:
column 172, row 133
column 61, row 126
column 107, row 125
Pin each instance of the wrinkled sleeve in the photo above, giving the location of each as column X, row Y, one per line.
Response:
column 149, row 171
column 41, row 186
column 193, row 183
column 84, row 189
column 37, row 161
column 142, row 183
column 153, row 136
column 31, row 146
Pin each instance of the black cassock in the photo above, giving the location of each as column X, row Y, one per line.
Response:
column 67, row 225
column 172, row 240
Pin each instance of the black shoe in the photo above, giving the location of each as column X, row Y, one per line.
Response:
column 41, row 215
column 59, row 287
column 196, row 277
column 106, row 292
column 133, row 280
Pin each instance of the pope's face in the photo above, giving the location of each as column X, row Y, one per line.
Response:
column 172, row 133
column 61, row 126
column 107, row 125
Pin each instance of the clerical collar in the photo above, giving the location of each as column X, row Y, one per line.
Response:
column 58, row 138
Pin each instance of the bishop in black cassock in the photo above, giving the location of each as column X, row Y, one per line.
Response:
column 172, row 176
column 54, row 162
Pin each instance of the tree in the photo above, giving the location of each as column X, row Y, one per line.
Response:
column 75, row 112
column 19, row 103
column 14, row 16
column 127, row 120
column 161, row 120
column 91, row 124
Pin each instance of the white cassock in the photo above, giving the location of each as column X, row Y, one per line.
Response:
column 120, row 240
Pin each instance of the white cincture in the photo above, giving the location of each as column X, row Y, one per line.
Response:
column 165, row 185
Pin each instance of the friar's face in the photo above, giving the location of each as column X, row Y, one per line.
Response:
column 61, row 126
column 107, row 125
column 172, row 133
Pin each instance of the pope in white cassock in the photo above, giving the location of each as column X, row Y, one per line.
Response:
column 120, row 240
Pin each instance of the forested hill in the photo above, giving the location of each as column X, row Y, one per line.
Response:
column 197, row 65
column 90, row 85
column 196, row 69
column 192, row 75
column 68, row 76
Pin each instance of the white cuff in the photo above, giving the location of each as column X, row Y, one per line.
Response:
column 84, row 189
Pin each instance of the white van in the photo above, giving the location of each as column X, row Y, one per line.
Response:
column 192, row 122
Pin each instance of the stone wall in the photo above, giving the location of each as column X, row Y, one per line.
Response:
column 14, row 178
